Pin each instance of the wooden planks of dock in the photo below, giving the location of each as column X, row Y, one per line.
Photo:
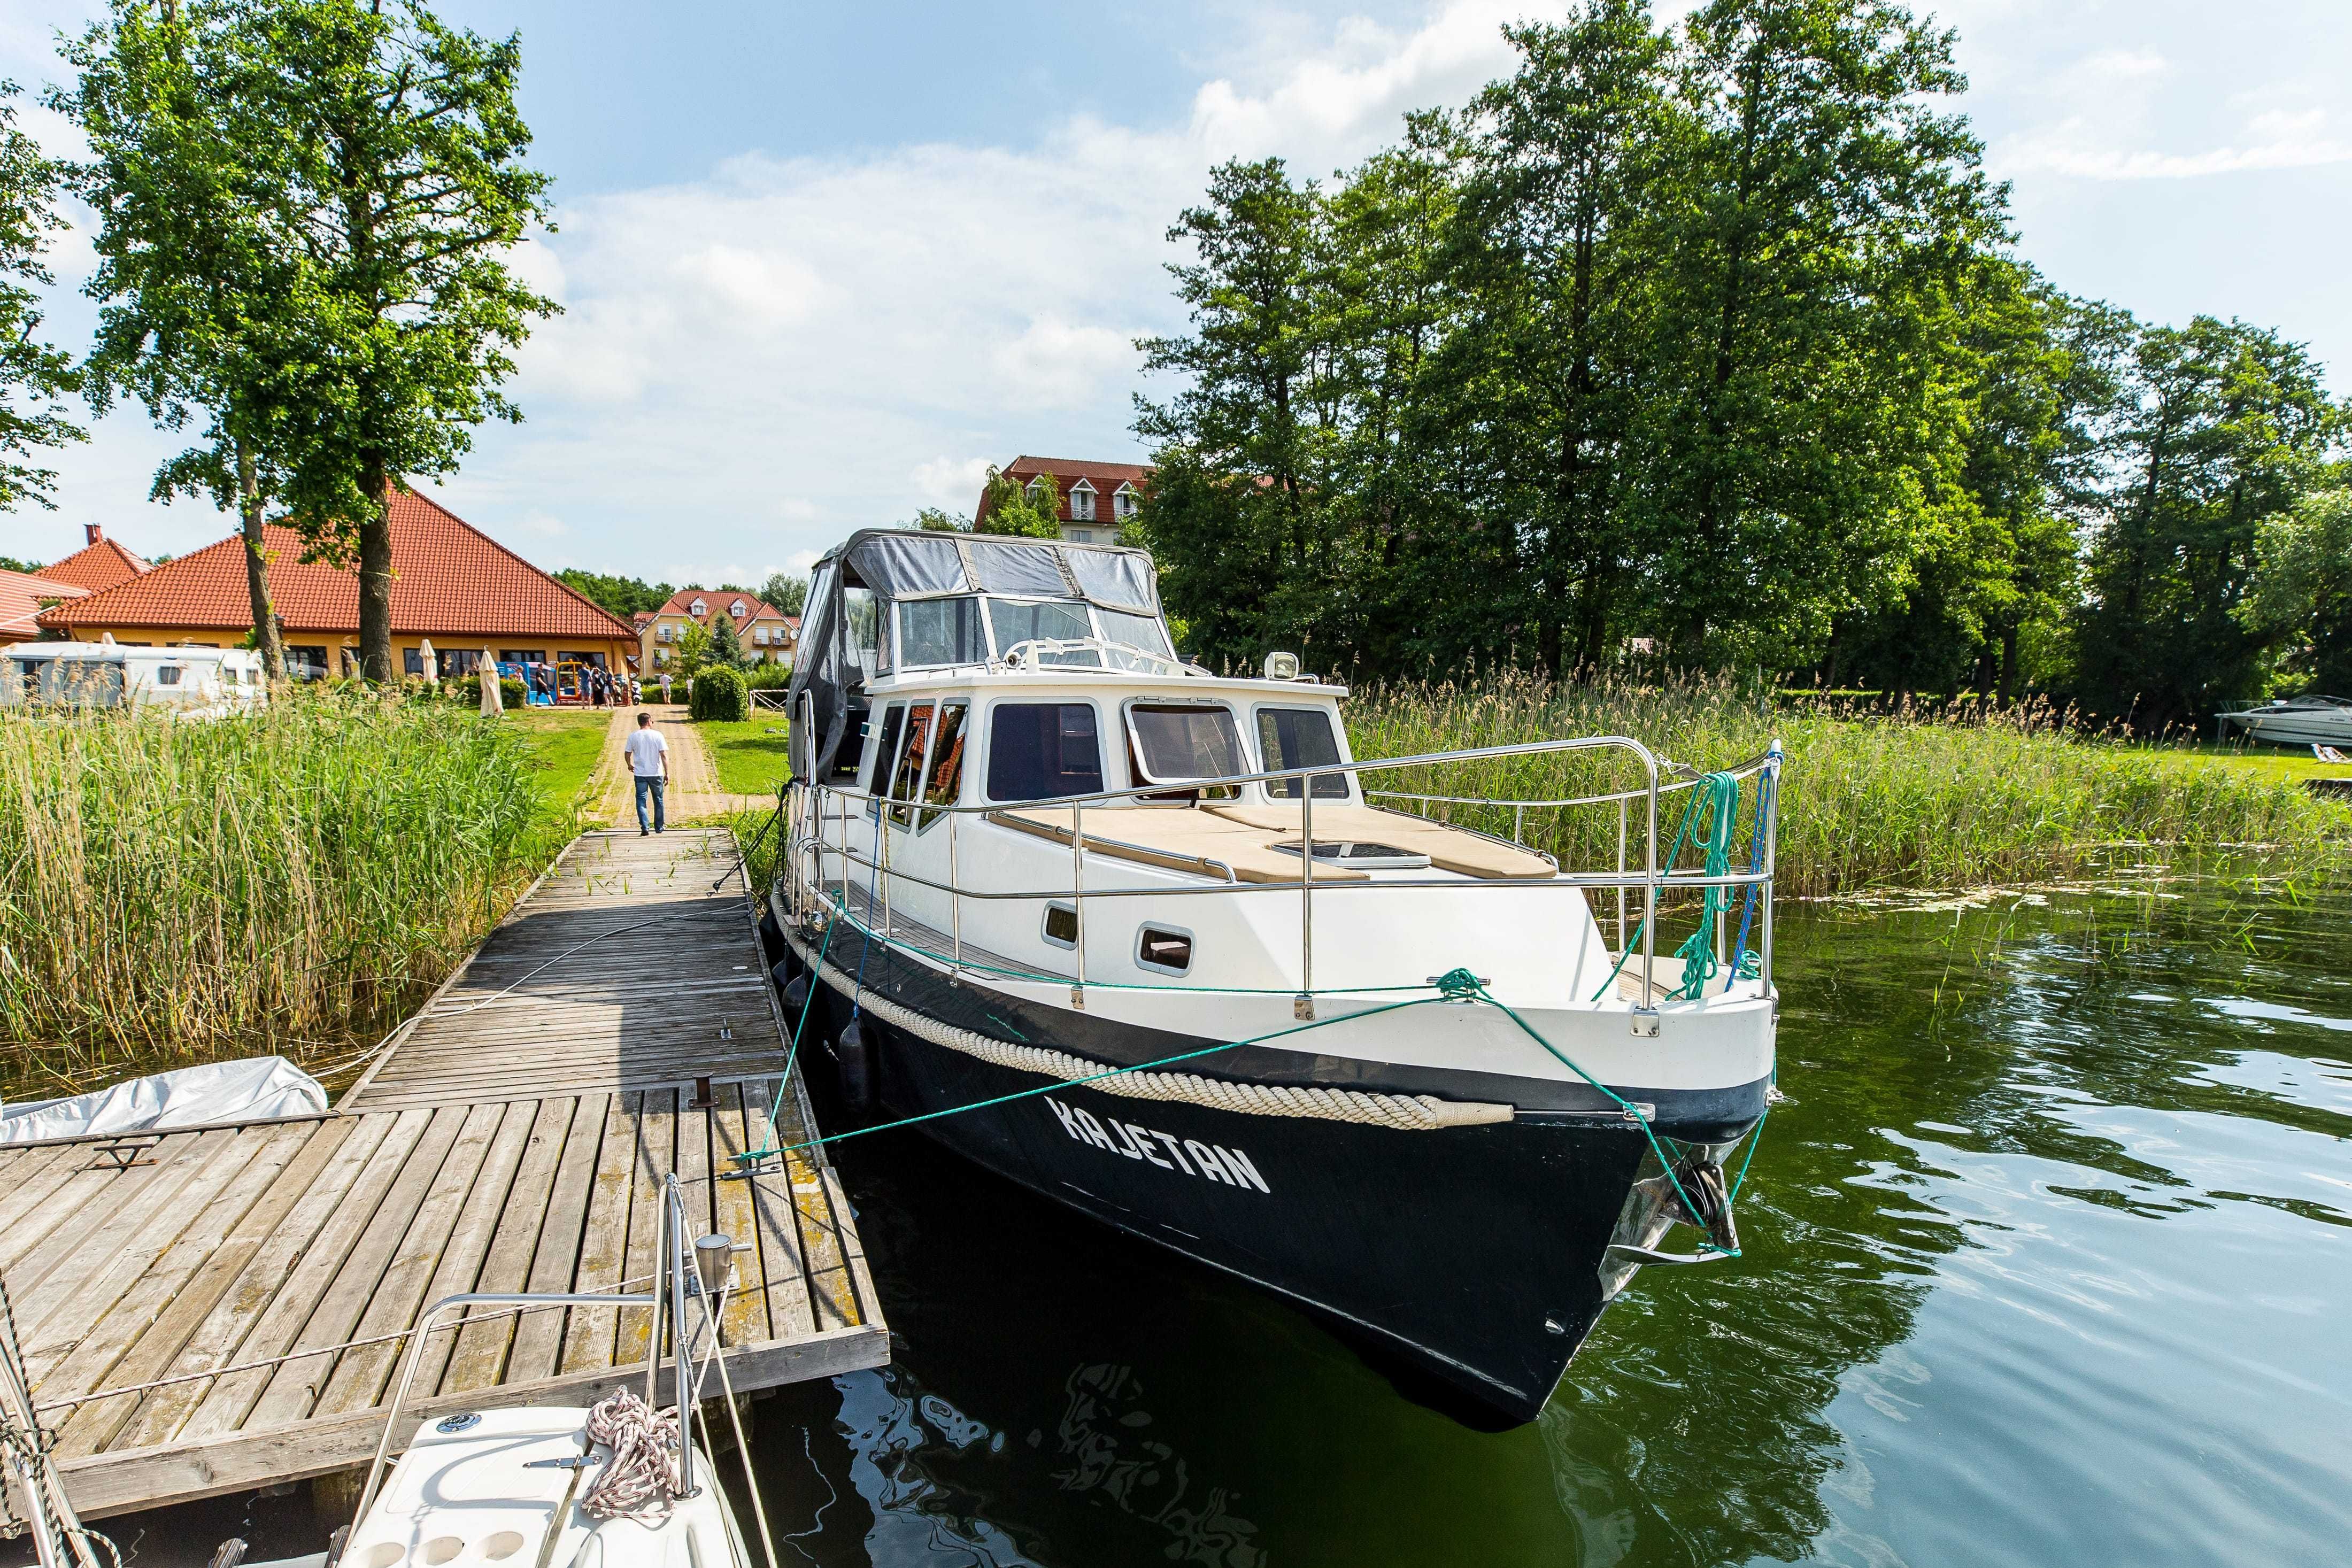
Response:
column 231, row 1309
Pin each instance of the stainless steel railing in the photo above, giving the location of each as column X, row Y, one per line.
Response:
column 816, row 806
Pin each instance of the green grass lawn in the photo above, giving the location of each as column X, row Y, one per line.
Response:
column 751, row 756
column 564, row 744
column 2277, row 762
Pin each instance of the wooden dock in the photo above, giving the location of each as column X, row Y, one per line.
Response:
column 230, row 1311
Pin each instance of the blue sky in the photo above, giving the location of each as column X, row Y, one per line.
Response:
column 821, row 265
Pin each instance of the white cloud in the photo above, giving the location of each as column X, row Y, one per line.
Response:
column 876, row 329
column 544, row 524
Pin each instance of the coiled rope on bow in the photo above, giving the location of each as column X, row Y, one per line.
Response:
column 641, row 1477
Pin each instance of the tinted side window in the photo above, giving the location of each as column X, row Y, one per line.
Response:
column 885, row 750
column 1038, row 750
column 1299, row 737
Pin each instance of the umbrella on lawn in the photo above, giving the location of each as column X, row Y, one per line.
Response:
column 425, row 657
column 493, row 701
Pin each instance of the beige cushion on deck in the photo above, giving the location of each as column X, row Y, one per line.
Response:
column 1448, row 848
column 1182, row 838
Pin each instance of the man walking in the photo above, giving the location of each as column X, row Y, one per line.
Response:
column 648, row 756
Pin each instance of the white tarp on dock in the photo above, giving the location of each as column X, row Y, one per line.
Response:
column 259, row 1088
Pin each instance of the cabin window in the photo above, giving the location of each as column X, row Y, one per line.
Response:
column 167, row 674
column 1037, row 751
column 1299, row 737
column 1180, row 743
column 1164, row 950
column 1016, row 621
column 1062, row 923
column 934, row 632
column 886, row 747
column 945, row 783
column 906, row 777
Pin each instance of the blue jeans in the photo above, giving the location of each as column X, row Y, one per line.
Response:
column 655, row 787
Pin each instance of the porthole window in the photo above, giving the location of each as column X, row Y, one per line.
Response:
column 1163, row 949
column 1062, row 923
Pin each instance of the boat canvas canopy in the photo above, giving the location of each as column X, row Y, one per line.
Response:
column 847, row 636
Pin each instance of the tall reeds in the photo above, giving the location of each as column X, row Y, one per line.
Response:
column 1965, row 797
column 287, row 881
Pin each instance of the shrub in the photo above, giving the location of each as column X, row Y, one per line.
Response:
column 720, row 694
column 465, row 691
column 768, row 677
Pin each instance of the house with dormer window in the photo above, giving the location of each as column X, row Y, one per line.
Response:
column 1098, row 498
column 768, row 635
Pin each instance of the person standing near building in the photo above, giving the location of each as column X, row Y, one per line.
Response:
column 648, row 756
column 664, row 685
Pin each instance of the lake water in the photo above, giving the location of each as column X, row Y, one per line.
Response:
column 2048, row 1258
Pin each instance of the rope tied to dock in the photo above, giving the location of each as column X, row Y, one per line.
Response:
column 641, row 1477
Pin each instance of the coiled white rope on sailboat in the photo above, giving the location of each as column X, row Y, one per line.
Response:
column 641, row 1477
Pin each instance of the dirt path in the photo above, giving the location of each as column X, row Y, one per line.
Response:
column 693, row 790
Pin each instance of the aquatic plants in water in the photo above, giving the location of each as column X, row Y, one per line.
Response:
column 1872, row 798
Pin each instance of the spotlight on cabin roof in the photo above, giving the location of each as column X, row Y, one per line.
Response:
column 1282, row 666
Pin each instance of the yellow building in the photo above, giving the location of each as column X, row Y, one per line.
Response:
column 769, row 636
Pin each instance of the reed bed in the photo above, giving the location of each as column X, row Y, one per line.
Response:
column 289, row 882
column 1871, row 799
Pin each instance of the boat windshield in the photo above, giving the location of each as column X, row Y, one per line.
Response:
column 1018, row 621
column 933, row 631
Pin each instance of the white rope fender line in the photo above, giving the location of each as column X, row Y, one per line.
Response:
column 1405, row 1112
column 641, row 1477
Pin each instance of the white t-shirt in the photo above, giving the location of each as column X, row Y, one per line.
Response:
column 645, row 748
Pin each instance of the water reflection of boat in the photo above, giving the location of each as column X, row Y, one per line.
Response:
column 1029, row 847
column 2293, row 721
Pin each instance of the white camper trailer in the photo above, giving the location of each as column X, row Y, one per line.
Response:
column 192, row 682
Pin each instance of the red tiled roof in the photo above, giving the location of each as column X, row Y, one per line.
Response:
column 21, row 596
column 99, row 564
column 714, row 600
column 448, row 579
column 1106, row 478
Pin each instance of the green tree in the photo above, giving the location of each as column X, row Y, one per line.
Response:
column 1554, row 253
column 35, row 379
column 693, row 647
column 939, row 520
column 786, row 592
column 2299, row 598
column 1822, row 215
column 1241, row 521
column 404, row 193
column 726, row 648
column 623, row 596
column 1030, row 511
column 2226, row 425
column 197, row 295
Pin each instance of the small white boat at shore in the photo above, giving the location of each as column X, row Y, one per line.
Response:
column 2293, row 721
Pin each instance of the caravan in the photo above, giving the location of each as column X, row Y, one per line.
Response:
column 207, row 683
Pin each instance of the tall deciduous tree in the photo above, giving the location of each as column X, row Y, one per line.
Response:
column 1033, row 510
column 1556, row 252
column 198, row 312
column 2300, row 596
column 404, row 193
column 35, row 379
column 2227, row 425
